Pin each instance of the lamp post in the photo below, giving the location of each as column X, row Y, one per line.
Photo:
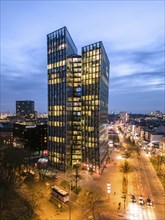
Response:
column 124, row 202
column 108, row 189
column 70, row 208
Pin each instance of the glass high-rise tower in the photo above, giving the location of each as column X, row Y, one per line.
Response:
column 59, row 46
column 77, row 102
column 95, row 78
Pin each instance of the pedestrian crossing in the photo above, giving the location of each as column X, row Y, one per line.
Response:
column 140, row 212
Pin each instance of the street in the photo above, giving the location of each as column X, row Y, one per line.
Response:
column 142, row 180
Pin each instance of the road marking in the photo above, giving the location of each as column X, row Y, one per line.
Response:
column 135, row 211
column 147, row 182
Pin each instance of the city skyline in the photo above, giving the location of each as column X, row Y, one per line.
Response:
column 132, row 32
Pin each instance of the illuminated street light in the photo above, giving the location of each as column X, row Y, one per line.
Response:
column 108, row 189
column 70, row 208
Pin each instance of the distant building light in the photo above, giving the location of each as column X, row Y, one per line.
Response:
column 45, row 152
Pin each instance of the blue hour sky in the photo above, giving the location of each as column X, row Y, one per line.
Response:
column 132, row 32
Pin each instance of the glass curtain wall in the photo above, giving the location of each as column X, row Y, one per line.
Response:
column 74, row 109
column 95, row 74
column 103, row 117
column 59, row 46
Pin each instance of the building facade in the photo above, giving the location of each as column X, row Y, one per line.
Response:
column 77, row 102
column 59, row 46
column 95, row 78
column 6, row 134
column 73, row 110
column 25, row 109
column 30, row 136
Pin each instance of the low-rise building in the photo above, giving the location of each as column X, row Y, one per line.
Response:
column 6, row 134
column 155, row 137
column 31, row 136
column 162, row 144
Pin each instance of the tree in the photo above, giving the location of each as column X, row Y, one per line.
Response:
column 124, row 185
column 88, row 201
column 11, row 165
column 158, row 161
column 76, row 176
column 74, row 173
column 11, row 162
column 125, row 167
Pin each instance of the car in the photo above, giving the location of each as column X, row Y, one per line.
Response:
column 148, row 201
column 141, row 201
column 133, row 199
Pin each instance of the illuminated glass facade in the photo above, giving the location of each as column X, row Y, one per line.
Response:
column 73, row 110
column 77, row 102
column 59, row 46
column 95, row 78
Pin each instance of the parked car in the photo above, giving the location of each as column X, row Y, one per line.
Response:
column 148, row 201
column 141, row 201
column 133, row 199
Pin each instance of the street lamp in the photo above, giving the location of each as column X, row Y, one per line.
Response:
column 124, row 197
column 70, row 207
column 108, row 189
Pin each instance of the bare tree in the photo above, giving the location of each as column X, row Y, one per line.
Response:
column 11, row 165
column 125, row 169
column 88, row 201
column 76, row 176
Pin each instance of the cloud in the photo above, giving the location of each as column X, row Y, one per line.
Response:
column 141, row 69
column 25, row 78
column 139, row 82
column 131, row 72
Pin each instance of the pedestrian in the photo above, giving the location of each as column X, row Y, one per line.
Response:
column 119, row 206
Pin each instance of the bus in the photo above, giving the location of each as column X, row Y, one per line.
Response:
column 59, row 194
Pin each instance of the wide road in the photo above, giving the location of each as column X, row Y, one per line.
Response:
column 138, row 184
column 142, row 180
column 150, row 185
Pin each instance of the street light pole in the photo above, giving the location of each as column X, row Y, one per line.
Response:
column 108, row 189
column 70, row 208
